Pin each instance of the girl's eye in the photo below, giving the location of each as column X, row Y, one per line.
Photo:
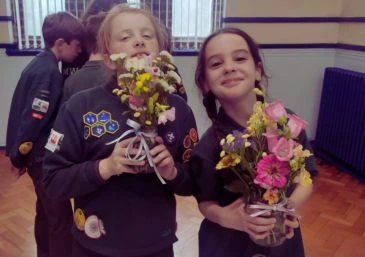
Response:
column 147, row 36
column 124, row 38
column 214, row 64
column 241, row 59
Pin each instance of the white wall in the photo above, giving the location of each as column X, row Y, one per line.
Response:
column 10, row 69
column 351, row 60
column 296, row 77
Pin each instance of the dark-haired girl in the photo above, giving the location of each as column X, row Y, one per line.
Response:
column 228, row 75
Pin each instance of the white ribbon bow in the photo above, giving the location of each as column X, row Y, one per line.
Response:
column 265, row 208
column 142, row 145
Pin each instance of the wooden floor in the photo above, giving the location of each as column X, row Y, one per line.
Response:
column 333, row 221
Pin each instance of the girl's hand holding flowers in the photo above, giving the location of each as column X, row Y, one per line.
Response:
column 117, row 163
column 163, row 160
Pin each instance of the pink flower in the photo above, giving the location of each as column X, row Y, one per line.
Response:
column 272, row 139
column 167, row 115
column 135, row 102
column 154, row 71
column 275, row 110
column 283, row 149
column 271, row 172
column 296, row 125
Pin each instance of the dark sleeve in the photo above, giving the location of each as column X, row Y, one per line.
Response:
column 41, row 107
column 206, row 185
column 66, row 175
column 310, row 162
column 182, row 184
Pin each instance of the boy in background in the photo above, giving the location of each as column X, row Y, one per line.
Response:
column 94, row 72
column 32, row 113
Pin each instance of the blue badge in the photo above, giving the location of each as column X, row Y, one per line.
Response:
column 98, row 130
column 104, row 116
column 170, row 138
column 86, row 132
column 112, row 126
column 89, row 118
column 98, row 124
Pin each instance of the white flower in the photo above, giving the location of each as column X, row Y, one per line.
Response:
column 174, row 75
column 164, row 85
column 126, row 75
column 167, row 55
column 136, row 64
column 115, row 57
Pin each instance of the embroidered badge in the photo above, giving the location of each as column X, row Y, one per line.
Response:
column 25, row 148
column 94, row 227
column 187, row 142
column 193, row 135
column 79, row 219
column 37, row 116
column 40, row 105
column 98, row 124
column 54, row 141
column 170, row 138
column 186, row 155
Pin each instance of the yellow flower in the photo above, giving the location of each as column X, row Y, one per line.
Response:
column 271, row 196
column 300, row 153
column 230, row 138
column 162, row 107
column 223, row 153
column 247, row 144
column 124, row 97
column 223, row 141
column 148, row 122
column 144, row 77
column 136, row 114
column 245, row 136
column 229, row 160
column 304, row 178
column 139, row 84
column 258, row 91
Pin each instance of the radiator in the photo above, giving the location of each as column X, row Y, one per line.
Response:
column 341, row 121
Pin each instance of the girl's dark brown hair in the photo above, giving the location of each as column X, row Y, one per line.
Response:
column 200, row 76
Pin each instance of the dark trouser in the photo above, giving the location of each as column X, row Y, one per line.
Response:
column 80, row 251
column 53, row 220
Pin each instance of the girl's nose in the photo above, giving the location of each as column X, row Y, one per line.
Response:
column 139, row 42
column 229, row 67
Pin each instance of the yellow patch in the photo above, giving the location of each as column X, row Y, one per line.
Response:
column 25, row 148
column 79, row 219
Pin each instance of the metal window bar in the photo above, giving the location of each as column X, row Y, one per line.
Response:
column 188, row 26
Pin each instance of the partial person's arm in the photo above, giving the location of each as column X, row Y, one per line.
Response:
column 41, row 107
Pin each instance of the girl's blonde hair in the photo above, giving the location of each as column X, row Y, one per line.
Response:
column 104, row 35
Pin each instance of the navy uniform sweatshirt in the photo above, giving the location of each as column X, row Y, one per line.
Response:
column 138, row 212
column 34, row 108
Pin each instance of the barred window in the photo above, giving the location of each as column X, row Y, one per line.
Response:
column 188, row 21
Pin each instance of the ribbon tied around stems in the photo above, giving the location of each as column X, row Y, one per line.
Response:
column 265, row 208
column 143, row 146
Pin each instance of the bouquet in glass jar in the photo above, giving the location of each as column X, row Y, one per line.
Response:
column 266, row 159
column 145, row 83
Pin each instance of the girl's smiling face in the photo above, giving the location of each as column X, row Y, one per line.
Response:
column 230, row 70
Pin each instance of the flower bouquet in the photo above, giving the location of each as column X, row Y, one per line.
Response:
column 145, row 84
column 266, row 159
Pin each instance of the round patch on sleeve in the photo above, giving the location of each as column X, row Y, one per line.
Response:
column 79, row 219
